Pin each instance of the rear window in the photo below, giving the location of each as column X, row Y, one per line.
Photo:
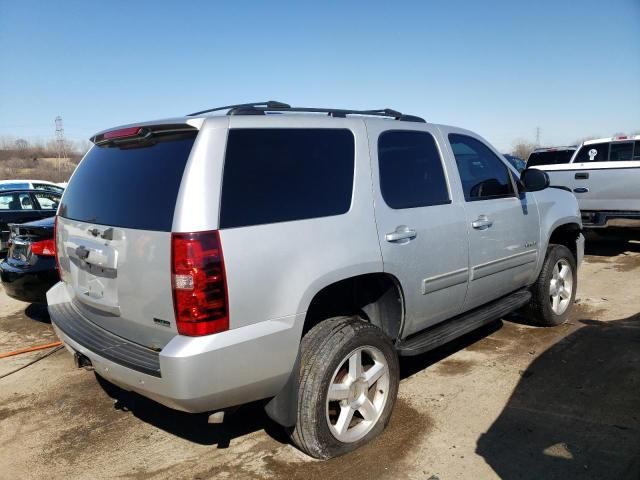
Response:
column 596, row 152
column 46, row 186
column 130, row 187
column 549, row 158
column 14, row 186
column 280, row 175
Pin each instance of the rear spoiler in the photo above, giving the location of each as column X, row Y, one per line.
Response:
column 139, row 133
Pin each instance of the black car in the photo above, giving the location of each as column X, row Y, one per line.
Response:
column 30, row 267
column 20, row 206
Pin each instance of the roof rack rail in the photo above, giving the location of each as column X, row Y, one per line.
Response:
column 270, row 104
column 260, row 108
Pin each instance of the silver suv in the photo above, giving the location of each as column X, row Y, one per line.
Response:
column 292, row 254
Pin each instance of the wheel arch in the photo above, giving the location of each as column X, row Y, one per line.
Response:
column 375, row 297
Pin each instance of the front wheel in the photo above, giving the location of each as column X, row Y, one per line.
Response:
column 554, row 292
column 349, row 377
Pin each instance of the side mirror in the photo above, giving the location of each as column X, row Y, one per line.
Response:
column 534, row 180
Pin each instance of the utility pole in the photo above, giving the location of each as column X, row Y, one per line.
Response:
column 537, row 136
column 60, row 143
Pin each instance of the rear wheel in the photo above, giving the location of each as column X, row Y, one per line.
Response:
column 348, row 385
column 555, row 290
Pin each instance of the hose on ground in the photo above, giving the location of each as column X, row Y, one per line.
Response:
column 32, row 362
column 30, row 349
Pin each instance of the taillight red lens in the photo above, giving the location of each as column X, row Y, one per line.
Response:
column 198, row 283
column 55, row 239
column 44, row 248
column 58, row 246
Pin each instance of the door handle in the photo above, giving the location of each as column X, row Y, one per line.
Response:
column 403, row 234
column 482, row 223
column 581, row 175
column 581, row 190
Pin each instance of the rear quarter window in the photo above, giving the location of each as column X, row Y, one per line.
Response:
column 280, row 175
column 130, row 187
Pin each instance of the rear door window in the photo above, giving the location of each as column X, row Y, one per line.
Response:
column 281, row 175
column 636, row 151
column 621, row 152
column 132, row 186
column 596, row 152
column 484, row 176
column 411, row 173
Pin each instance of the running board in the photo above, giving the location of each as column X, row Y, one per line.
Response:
column 446, row 331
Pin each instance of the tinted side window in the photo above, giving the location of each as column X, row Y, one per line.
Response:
column 411, row 173
column 621, row 152
column 636, row 151
column 280, row 175
column 484, row 176
column 596, row 152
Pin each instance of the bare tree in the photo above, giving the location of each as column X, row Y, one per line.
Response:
column 522, row 149
column 22, row 145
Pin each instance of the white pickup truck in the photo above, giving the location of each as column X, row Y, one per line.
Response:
column 604, row 175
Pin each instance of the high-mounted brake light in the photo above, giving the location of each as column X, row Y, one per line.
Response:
column 122, row 133
column 44, row 248
column 198, row 283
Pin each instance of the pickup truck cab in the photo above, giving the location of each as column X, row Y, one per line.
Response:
column 604, row 175
column 292, row 254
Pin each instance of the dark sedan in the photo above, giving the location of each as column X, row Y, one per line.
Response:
column 20, row 206
column 30, row 267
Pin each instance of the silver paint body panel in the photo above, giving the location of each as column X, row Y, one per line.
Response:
column 275, row 270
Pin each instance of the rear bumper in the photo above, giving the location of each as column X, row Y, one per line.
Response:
column 29, row 284
column 610, row 218
column 196, row 374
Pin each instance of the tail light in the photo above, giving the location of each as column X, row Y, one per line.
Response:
column 58, row 246
column 199, row 283
column 44, row 248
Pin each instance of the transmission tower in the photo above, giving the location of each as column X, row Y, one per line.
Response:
column 60, row 143
column 537, row 136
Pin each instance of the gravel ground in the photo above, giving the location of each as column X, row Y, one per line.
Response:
column 508, row 401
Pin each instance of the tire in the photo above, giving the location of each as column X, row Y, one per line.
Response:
column 324, row 428
column 542, row 308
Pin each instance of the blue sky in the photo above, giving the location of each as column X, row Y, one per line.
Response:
column 499, row 68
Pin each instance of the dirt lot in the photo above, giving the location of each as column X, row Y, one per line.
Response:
column 508, row 401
